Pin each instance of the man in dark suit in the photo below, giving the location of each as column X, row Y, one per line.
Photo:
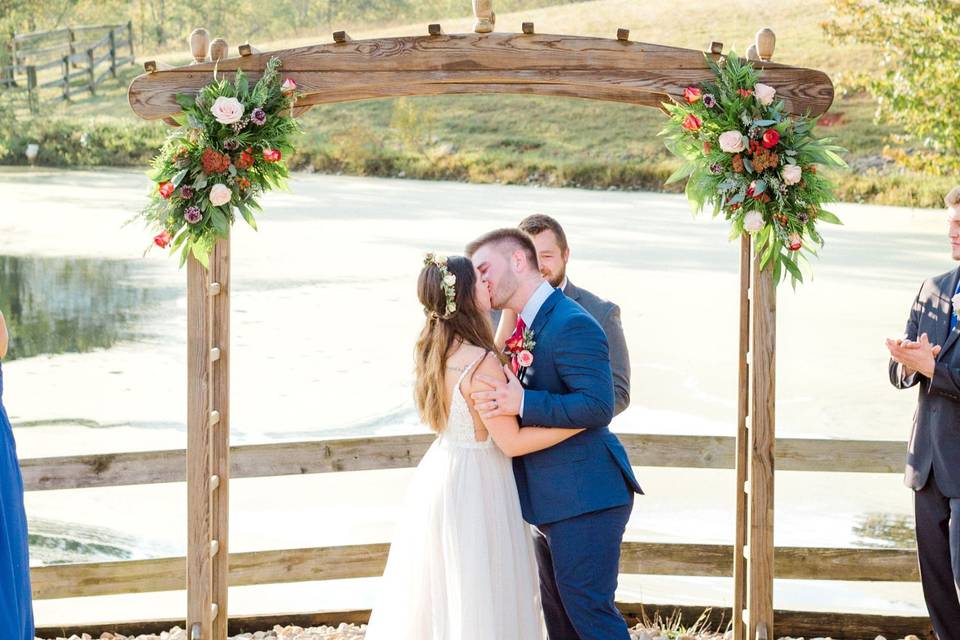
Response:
column 928, row 356
column 578, row 493
column 553, row 253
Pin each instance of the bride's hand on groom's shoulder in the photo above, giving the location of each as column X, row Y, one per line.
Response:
column 503, row 398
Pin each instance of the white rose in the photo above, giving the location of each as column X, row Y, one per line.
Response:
column 764, row 93
column 753, row 221
column 732, row 141
column 227, row 110
column 450, row 280
column 956, row 303
column 791, row 174
column 220, row 194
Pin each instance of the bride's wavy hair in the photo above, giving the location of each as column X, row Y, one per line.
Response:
column 439, row 335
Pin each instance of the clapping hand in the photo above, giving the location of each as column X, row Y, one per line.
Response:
column 919, row 355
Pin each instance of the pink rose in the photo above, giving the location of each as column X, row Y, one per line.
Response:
column 792, row 174
column 764, row 94
column 525, row 358
column 289, row 86
column 220, row 194
column 227, row 110
column 753, row 222
column 732, row 141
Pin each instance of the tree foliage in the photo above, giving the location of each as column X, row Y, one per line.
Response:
column 916, row 77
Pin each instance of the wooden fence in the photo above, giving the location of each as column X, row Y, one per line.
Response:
column 368, row 560
column 61, row 63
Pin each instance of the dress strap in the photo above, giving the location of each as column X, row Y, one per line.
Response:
column 470, row 366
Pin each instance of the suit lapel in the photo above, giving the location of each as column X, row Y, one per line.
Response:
column 571, row 291
column 947, row 288
column 545, row 310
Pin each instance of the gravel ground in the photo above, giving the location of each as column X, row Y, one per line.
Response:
column 354, row 632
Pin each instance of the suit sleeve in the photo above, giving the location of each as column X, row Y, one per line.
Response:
column 619, row 359
column 582, row 360
column 897, row 377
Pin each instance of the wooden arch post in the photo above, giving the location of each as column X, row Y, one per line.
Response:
column 753, row 568
column 618, row 70
column 208, row 423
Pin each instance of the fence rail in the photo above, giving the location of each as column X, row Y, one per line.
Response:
column 80, row 65
column 397, row 452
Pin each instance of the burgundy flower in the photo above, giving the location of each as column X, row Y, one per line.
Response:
column 186, row 193
column 258, row 116
column 192, row 215
column 709, row 101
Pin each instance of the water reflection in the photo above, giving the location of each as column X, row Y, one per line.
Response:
column 885, row 530
column 73, row 305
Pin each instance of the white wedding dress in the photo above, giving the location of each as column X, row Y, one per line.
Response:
column 461, row 565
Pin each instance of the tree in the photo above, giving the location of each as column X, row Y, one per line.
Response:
column 918, row 78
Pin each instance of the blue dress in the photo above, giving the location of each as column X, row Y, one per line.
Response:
column 16, row 608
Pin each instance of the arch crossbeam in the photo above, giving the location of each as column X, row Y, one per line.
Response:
column 533, row 64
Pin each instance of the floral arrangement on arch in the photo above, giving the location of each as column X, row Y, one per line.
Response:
column 755, row 164
column 227, row 152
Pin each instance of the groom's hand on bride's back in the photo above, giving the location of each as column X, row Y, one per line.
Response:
column 503, row 399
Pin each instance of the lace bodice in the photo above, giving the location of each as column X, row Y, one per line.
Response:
column 460, row 431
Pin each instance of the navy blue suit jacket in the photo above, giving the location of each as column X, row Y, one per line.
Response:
column 570, row 385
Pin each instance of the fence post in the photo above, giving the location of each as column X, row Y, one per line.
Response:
column 13, row 58
column 66, row 77
column 93, row 80
column 113, row 53
column 71, row 39
column 130, row 40
column 32, row 97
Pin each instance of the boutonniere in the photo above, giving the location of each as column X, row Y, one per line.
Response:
column 520, row 351
column 955, row 301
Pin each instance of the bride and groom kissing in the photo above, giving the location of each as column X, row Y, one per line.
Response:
column 521, row 439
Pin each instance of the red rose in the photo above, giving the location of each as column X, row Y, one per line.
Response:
column 770, row 138
column 272, row 155
column 244, row 161
column 166, row 189
column 162, row 240
column 795, row 242
column 692, row 123
column 691, row 94
column 746, row 93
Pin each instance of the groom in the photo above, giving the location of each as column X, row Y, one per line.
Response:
column 579, row 493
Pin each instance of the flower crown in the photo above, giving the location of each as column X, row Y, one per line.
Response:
column 447, row 281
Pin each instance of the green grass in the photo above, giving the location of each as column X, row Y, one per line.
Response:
column 515, row 139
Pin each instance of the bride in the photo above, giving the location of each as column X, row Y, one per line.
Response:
column 461, row 566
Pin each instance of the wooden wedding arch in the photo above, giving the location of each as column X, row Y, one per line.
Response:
column 619, row 70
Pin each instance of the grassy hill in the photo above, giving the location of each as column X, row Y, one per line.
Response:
column 522, row 140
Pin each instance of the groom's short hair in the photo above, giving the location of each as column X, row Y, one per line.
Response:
column 507, row 238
